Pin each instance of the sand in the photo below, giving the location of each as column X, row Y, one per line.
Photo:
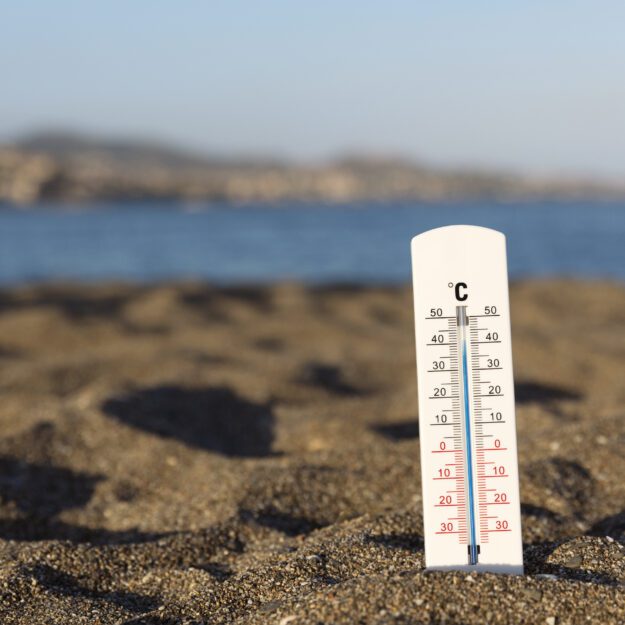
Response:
column 187, row 454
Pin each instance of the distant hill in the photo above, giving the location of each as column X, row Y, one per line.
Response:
column 67, row 145
column 62, row 166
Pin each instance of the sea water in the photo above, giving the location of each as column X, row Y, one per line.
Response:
column 366, row 242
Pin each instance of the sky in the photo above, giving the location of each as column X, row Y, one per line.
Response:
column 534, row 86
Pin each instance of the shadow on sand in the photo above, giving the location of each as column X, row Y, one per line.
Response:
column 535, row 558
column 33, row 495
column 613, row 526
column 398, row 431
column 329, row 378
column 214, row 419
column 63, row 584
column 534, row 392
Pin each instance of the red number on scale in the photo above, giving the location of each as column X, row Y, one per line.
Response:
column 444, row 499
column 447, row 527
column 499, row 470
column 497, row 443
column 444, row 472
column 501, row 497
column 442, row 446
column 501, row 525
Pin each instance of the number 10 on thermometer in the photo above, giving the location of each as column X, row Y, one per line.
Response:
column 469, row 472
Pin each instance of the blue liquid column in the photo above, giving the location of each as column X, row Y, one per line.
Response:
column 462, row 321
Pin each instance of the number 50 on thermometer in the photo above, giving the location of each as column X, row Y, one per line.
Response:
column 469, row 472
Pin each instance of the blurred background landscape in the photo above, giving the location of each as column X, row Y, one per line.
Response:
column 241, row 143
column 208, row 399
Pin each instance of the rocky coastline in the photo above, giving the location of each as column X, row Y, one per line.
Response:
column 45, row 170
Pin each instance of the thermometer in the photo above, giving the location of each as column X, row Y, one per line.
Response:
column 471, row 508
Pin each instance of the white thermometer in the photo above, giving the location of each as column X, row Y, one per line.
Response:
column 471, row 508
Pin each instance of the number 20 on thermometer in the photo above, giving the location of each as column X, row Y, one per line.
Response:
column 469, row 471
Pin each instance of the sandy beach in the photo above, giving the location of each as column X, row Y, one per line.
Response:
column 184, row 454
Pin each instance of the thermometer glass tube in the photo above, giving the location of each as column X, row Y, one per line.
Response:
column 466, row 401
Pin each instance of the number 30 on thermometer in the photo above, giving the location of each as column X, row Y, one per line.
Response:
column 469, row 471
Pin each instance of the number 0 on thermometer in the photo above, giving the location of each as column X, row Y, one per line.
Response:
column 472, row 519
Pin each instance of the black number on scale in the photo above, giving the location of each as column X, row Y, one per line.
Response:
column 494, row 390
column 496, row 416
column 492, row 336
column 436, row 312
column 490, row 310
column 438, row 364
column 438, row 338
column 441, row 418
column 440, row 392
column 492, row 363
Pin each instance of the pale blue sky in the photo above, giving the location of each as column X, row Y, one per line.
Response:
column 534, row 85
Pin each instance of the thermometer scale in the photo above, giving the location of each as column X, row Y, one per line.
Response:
column 471, row 515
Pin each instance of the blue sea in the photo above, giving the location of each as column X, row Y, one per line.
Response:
column 314, row 243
